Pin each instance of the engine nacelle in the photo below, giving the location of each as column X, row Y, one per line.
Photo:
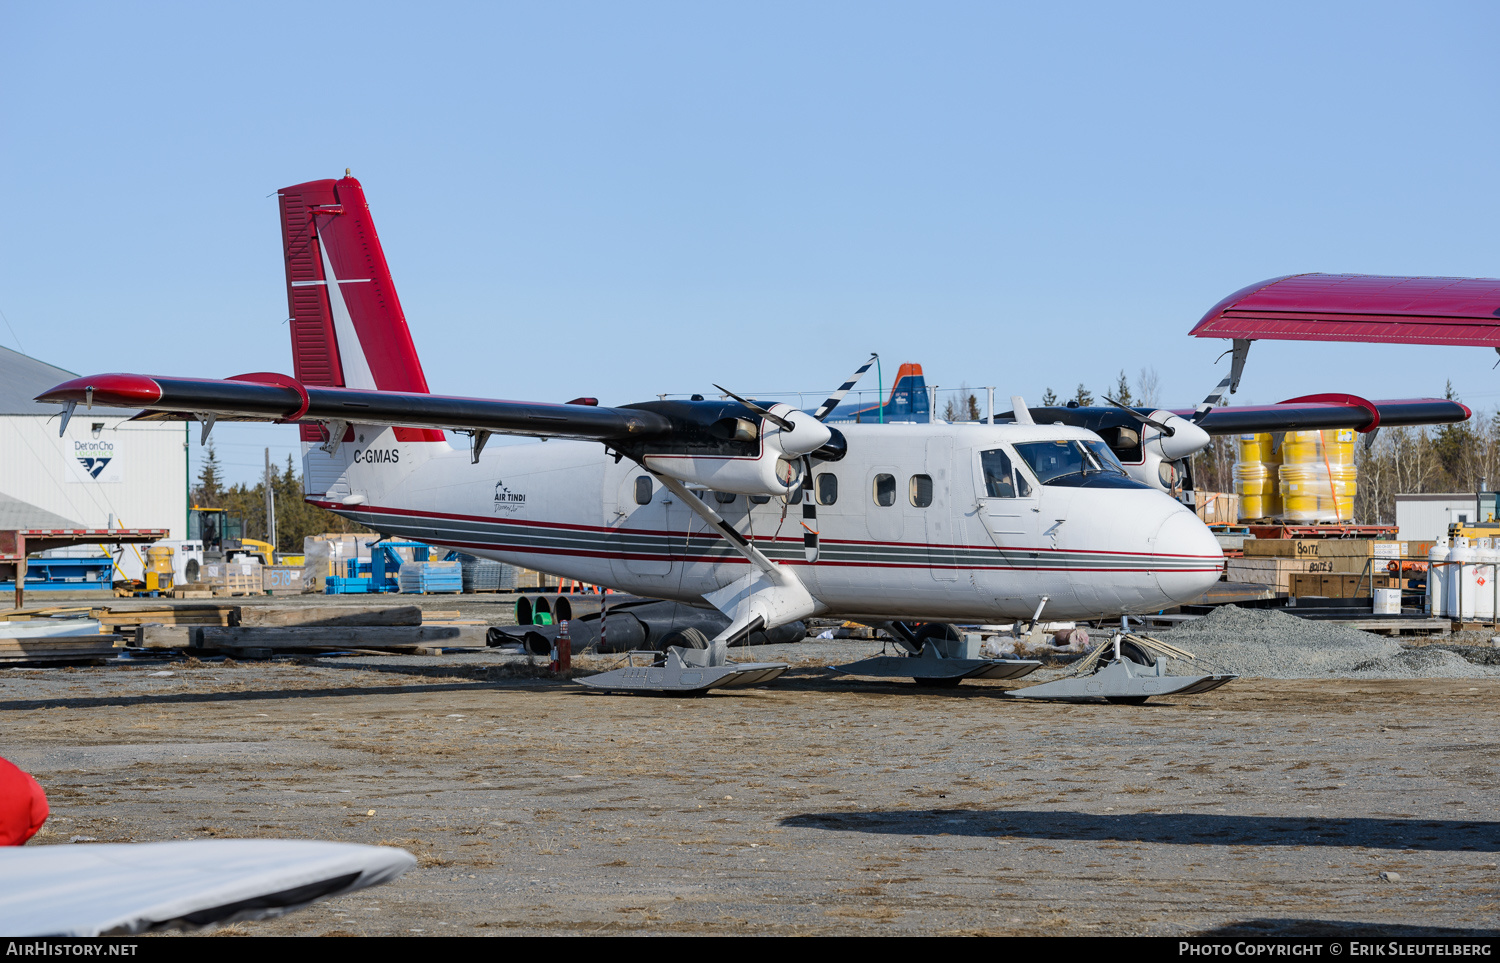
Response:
column 767, row 474
column 731, row 447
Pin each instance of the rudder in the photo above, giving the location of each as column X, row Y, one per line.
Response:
column 348, row 329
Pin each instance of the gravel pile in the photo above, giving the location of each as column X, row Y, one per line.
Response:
column 1274, row 645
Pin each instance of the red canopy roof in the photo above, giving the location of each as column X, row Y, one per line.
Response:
column 1361, row 307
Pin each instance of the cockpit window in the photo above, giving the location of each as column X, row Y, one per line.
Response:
column 1054, row 461
column 1000, row 479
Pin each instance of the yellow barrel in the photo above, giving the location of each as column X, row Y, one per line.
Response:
column 1255, row 476
column 1302, row 448
column 1254, row 448
column 1338, row 447
column 1310, row 494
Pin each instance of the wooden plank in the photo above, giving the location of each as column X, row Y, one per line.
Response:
column 25, row 615
column 71, row 646
column 153, row 636
column 1431, row 626
column 362, row 637
column 268, row 616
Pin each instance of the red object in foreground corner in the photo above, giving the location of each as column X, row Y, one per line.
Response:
column 23, row 805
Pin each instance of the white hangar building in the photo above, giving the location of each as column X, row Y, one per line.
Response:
column 105, row 468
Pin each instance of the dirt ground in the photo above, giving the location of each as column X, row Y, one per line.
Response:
column 819, row 805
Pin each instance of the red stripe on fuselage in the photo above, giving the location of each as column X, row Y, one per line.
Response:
column 735, row 557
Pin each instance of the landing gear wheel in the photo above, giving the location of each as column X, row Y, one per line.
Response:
column 190, row 570
column 686, row 638
column 1136, row 653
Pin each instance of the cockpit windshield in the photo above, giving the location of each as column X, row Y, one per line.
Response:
column 1067, row 461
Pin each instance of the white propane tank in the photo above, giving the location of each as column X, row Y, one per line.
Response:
column 1484, row 582
column 1437, row 579
column 1461, row 588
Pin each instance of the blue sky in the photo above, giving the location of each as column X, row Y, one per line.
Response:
column 622, row 199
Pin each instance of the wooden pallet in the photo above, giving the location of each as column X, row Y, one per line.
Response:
column 1390, row 626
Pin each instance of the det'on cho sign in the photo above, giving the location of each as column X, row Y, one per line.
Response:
column 92, row 460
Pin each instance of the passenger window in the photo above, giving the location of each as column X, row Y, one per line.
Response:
column 921, row 490
column 828, row 489
column 1000, row 479
column 885, row 490
column 724, row 498
column 643, row 490
column 759, row 499
column 795, row 498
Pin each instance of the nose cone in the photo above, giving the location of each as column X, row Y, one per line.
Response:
column 808, row 434
column 1186, row 439
column 1188, row 557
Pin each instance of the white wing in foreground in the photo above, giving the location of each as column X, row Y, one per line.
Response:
column 117, row 888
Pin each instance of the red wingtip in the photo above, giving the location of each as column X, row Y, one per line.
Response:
column 109, row 390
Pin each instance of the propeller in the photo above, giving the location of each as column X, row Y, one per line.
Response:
column 826, row 408
column 1165, row 429
column 775, row 419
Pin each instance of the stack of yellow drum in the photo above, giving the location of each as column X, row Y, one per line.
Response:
column 1310, row 479
column 1255, row 477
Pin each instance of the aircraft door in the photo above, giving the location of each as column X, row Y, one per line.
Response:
column 944, row 535
column 641, row 524
column 1008, row 502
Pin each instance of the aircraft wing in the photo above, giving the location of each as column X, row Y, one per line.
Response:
column 116, row 888
column 1361, row 307
column 1329, row 411
column 1298, row 414
column 273, row 397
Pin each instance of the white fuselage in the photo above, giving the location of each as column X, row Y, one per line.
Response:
column 570, row 509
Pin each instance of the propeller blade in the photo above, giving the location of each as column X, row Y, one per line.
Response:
column 1167, row 430
column 833, row 400
column 810, row 547
column 1229, row 385
column 777, row 420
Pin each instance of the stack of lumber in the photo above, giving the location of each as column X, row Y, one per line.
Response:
column 54, row 634
column 60, row 648
column 258, row 631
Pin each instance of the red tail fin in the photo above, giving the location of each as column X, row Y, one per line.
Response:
column 347, row 325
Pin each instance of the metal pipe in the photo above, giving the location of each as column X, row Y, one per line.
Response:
column 990, row 405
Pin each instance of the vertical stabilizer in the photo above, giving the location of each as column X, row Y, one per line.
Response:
column 348, row 328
